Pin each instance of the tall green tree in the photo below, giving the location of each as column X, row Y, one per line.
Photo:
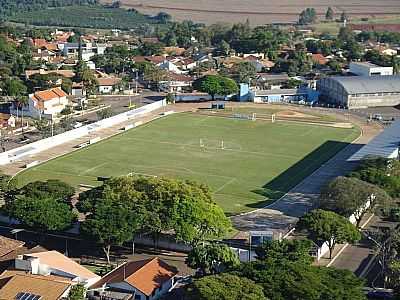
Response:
column 308, row 16
column 42, row 214
column 347, row 196
column 216, row 85
column 326, row 226
column 212, row 258
column 85, row 75
column 329, row 14
column 244, row 72
column 224, row 287
column 111, row 223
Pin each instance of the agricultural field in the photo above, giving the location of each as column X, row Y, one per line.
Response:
column 84, row 16
column 259, row 12
column 246, row 163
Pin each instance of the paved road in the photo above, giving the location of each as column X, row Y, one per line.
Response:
column 283, row 214
column 359, row 257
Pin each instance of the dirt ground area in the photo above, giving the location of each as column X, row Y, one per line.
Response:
column 258, row 12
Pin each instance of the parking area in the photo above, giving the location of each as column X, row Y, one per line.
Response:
column 385, row 114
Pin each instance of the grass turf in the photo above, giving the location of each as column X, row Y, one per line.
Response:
column 260, row 162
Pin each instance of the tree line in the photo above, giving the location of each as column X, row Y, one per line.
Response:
column 120, row 209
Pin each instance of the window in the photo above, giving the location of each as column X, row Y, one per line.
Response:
column 138, row 297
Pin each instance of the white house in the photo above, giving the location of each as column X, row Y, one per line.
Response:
column 108, row 85
column 43, row 104
column 54, row 263
column 146, row 280
column 176, row 83
column 88, row 50
column 171, row 67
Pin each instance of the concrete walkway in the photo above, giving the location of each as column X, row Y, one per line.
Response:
column 281, row 216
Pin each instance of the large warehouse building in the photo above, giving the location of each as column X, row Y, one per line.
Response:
column 360, row 91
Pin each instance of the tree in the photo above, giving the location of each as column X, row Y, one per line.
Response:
column 344, row 17
column 326, row 226
column 329, row 14
column 285, row 279
column 292, row 250
column 42, row 214
column 349, row 196
column 212, row 258
column 6, row 188
column 148, row 48
column 77, row 292
column 163, row 17
column 104, row 113
column 170, row 98
column 224, row 48
column 112, row 222
column 14, row 87
column 308, row 16
column 85, row 75
column 163, row 204
column 395, row 62
column 216, row 85
column 381, row 172
column 53, row 188
column 244, row 72
column 224, row 287
column 155, row 75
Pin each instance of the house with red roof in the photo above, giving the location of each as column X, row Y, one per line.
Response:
column 147, row 279
column 46, row 104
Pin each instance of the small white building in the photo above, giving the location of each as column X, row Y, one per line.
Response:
column 108, row 85
column 369, row 69
column 145, row 280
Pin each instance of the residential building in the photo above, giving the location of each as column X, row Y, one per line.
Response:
column 88, row 50
column 14, row 285
column 108, row 85
column 46, row 104
column 176, row 83
column 64, row 73
column 146, row 280
column 8, row 246
column 56, row 264
column 369, row 69
column 360, row 91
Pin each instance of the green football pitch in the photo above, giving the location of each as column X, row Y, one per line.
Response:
column 246, row 163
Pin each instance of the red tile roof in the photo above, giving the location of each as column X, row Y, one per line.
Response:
column 145, row 275
column 319, row 58
column 49, row 94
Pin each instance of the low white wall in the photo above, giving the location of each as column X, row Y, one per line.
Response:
column 29, row 149
column 324, row 249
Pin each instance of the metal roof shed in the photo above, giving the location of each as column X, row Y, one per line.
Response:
column 386, row 144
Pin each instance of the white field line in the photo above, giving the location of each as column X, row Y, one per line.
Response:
column 224, row 185
column 92, row 169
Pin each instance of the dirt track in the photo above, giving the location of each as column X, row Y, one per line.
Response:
column 258, row 12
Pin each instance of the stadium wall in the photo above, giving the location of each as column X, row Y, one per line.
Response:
column 38, row 146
